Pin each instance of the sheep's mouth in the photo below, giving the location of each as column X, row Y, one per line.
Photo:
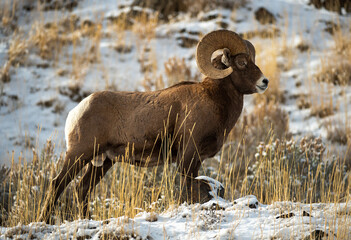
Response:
column 261, row 89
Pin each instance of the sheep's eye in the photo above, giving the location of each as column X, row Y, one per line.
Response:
column 241, row 62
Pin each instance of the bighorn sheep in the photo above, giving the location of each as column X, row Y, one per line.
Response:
column 101, row 128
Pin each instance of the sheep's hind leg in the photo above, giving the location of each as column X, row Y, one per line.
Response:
column 91, row 178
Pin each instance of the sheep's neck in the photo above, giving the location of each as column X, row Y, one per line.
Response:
column 230, row 101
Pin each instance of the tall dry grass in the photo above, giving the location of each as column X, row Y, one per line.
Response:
column 284, row 171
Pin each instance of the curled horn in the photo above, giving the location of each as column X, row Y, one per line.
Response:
column 252, row 50
column 218, row 40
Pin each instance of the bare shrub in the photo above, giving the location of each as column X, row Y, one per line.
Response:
column 338, row 133
column 267, row 120
column 322, row 110
column 18, row 50
column 335, row 73
column 48, row 41
column 268, row 63
column 336, row 67
column 149, row 82
column 264, row 16
column 332, row 5
column 272, row 32
column 145, row 25
column 164, row 7
column 168, row 9
column 303, row 102
column 177, row 70
column 23, row 185
column 195, row 7
column 5, row 73
column 266, row 117
column 296, row 170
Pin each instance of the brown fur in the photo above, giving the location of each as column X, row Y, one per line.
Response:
column 198, row 114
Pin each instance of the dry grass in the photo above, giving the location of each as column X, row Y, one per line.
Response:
column 339, row 132
column 267, row 61
column 18, row 50
column 335, row 72
column 322, row 110
column 336, row 67
column 333, row 79
column 177, row 70
column 266, row 120
column 283, row 171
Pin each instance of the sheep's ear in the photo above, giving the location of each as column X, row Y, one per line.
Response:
column 226, row 57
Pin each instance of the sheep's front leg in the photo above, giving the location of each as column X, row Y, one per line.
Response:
column 192, row 190
column 71, row 167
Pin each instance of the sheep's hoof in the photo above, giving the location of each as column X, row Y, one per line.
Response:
column 202, row 189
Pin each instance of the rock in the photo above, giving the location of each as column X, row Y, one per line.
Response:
column 248, row 201
column 4, row 73
column 303, row 47
column 46, row 103
column 222, row 24
column 87, row 23
column 263, row 16
column 306, row 214
column 288, row 215
column 123, row 48
column 58, row 4
column 164, row 7
column 128, row 18
column 317, row 235
column 187, row 42
column 151, row 217
column 331, row 27
column 73, row 92
column 332, row 5
column 317, row 3
column 347, row 6
column 264, row 33
column 209, row 16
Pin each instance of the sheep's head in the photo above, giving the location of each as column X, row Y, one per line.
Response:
column 237, row 61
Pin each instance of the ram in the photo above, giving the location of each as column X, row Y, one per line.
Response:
column 107, row 125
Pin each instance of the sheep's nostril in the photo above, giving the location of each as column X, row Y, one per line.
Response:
column 265, row 81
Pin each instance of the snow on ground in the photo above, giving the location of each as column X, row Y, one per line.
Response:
column 245, row 218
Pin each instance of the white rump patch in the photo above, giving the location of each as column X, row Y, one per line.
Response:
column 73, row 116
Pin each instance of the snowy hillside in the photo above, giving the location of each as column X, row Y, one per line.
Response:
column 245, row 219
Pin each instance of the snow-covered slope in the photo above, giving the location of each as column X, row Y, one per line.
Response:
column 246, row 218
